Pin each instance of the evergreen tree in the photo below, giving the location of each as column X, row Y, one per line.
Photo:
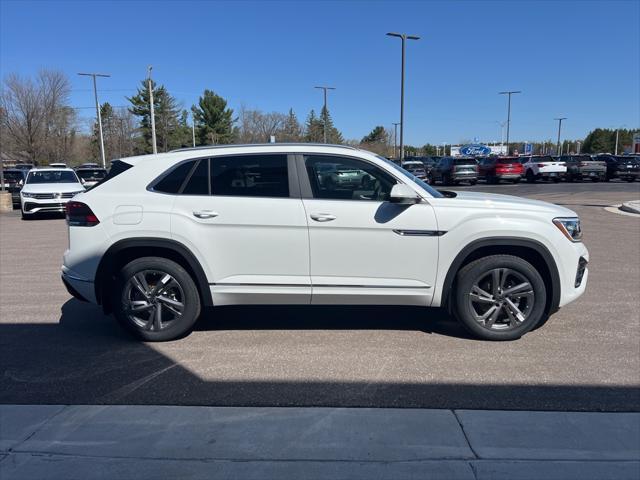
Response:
column 291, row 131
column 213, row 120
column 313, row 129
column 166, row 116
column 377, row 135
column 333, row 134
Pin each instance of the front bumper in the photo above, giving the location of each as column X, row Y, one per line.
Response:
column 36, row 205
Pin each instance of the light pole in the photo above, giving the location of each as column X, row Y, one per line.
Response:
column 558, row 152
column 325, row 111
column 404, row 37
column 509, row 93
column 395, row 138
column 95, row 94
column 152, row 113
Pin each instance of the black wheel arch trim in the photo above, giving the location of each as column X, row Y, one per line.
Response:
column 105, row 267
column 506, row 242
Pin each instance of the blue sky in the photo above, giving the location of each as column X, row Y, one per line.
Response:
column 576, row 59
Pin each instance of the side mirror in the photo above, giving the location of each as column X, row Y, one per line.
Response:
column 404, row 195
column 21, row 183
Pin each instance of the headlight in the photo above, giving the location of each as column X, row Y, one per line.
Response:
column 570, row 227
column 27, row 195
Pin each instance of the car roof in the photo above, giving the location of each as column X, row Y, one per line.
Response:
column 47, row 169
column 236, row 149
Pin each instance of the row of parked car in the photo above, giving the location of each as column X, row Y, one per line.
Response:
column 87, row 175
column 493, row 169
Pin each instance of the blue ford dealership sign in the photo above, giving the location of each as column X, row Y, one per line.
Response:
column 475, row 150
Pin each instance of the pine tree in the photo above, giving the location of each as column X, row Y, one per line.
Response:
column 333, row 134
column 377, row 135
column 213, row 120
column 291, row 131
column 313, row 129
column 166, row 116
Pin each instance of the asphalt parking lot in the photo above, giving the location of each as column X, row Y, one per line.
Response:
column 57, row 350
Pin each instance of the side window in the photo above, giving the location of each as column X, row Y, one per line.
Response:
column 250, row 176
column 173, row 180
column 198, row 183
column 341, row 178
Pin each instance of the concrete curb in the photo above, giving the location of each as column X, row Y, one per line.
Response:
column 39, row 441
column 631, row 207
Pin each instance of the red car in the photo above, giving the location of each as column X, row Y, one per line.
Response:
column 494, row 169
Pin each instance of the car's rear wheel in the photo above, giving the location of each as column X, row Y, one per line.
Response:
column 499, row 297
column 531, row 178
column 155, row 299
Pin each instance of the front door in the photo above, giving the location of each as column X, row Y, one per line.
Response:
column 243, row 215
column 364, row 249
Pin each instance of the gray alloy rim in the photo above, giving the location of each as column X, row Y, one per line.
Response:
column 153, row 300
column 501, row 299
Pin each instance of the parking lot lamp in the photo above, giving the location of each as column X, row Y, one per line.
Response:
column 395, row 138
column 404, row 37
column 325, row 113
column 509, row 93
column 558, row 152
column 95, row 94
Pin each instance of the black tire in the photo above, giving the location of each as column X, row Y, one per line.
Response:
column 555, row 179
column 25, row 216
column 516, row 180
column 475, row 271
column 631, row 179
column 472, row 182
column 189, row 297
column 595, row 179
column 531, row 178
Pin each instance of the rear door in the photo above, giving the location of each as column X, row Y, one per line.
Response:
column 244, row 216
column 364, row 249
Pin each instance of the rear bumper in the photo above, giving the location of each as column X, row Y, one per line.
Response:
column 81, row 288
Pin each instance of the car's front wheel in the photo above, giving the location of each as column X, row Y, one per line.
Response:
column 156, row 299
column 499, row 297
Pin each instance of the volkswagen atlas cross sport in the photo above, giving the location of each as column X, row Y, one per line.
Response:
column 164, row 236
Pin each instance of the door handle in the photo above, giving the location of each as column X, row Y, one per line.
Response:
column 205, row 214
column 322, row 217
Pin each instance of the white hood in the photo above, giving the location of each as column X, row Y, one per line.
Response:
column 507, row 202
column 52, row 187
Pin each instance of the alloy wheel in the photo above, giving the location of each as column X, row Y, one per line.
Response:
column 501, row 299
column 153, row 300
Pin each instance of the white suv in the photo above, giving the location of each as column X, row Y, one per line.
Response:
column 164, row 236
column 543, row 167
column 48, row 190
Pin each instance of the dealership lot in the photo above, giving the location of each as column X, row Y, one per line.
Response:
column 57, row 350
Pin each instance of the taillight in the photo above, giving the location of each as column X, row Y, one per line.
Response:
column 540, row 165
column 80, row 215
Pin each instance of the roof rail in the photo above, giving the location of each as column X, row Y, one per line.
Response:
column 282, row 144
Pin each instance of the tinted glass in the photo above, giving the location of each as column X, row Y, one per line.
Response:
column 172, row 182
column 466, row 162
column 198, row 184
column 116, row 169
column 250, row 176
column 92, row 174
column 50, row 176
column 13, row 177
column 348, row 179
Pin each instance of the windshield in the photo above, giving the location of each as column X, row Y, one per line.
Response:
column 13, row 177
column 93, row 174
column 50, row 176
column 425, row 186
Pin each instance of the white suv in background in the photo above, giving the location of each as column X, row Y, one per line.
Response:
column 48, row 190
column 543, row 167
column 166, row 235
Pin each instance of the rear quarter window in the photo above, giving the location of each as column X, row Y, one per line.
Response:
column 117, row 167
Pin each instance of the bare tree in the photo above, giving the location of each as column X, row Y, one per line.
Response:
column 257, row 127
column 36, row 118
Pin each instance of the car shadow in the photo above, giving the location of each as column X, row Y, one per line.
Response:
column 331, row 317
column 86, row 358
